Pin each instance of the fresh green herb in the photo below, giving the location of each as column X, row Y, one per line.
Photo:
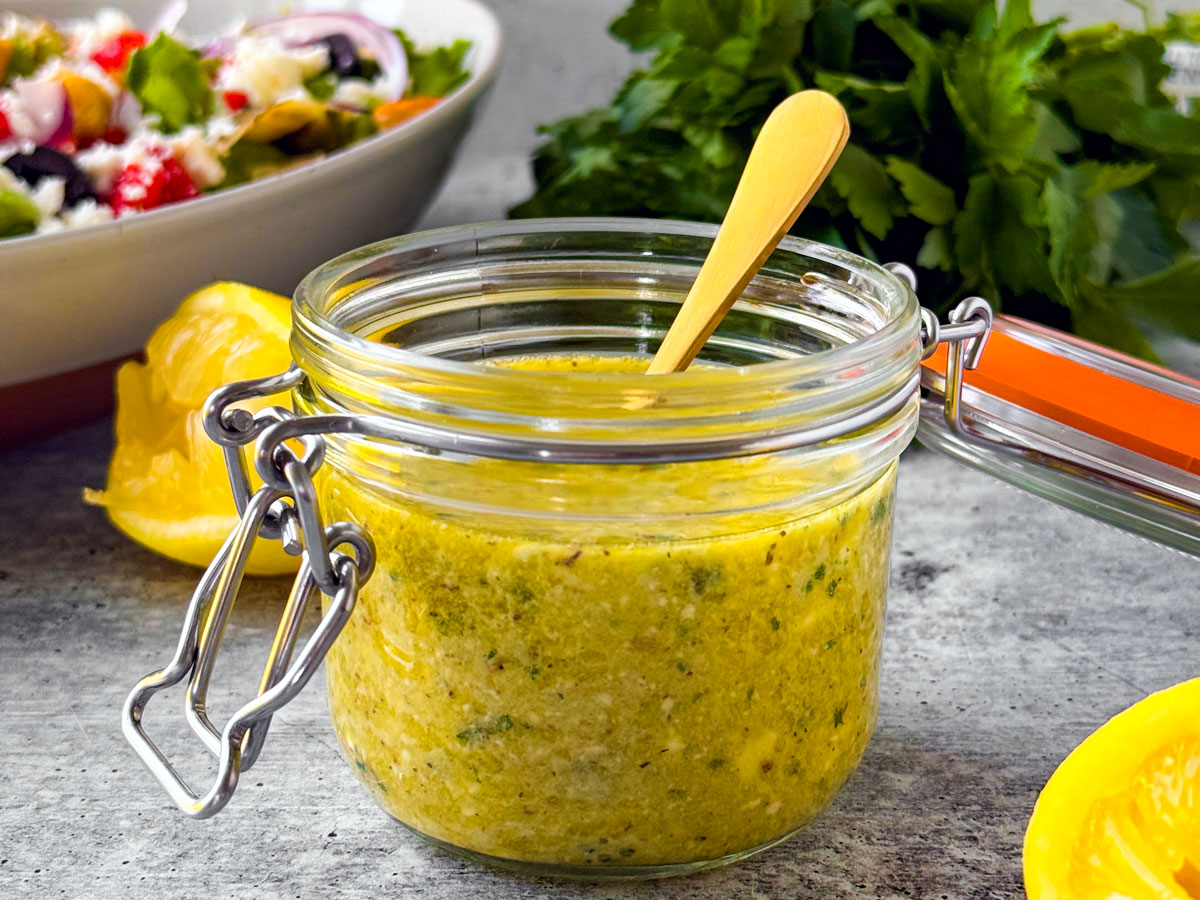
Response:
column 491, row 654
column 704, row 578
column 681, row 666
column 820, row 573
column 438, row 72
column 833, row 586
column 484, row 730
column 831, row 643
column 1042, row 168
column 534, row 671
column 715, row 764
column 170, row 81
column 838, row 715
column 521, row 591
column 774, row 624
column 18, row 215
column 322, row 85
column 449, row 620
column 880, row 510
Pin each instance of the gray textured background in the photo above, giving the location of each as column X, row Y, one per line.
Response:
column 1014, row 629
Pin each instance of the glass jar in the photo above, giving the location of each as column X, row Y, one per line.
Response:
column 658, row 651
column 582, row 622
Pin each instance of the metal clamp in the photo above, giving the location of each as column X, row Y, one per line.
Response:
column 324, row 567
column 967, row 330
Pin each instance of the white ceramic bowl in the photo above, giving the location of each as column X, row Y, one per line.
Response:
column 78, row 298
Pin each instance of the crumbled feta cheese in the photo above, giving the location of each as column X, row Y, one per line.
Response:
column 266, row 70
column 47, row 195
column 89, row 35
column 356, row 92
column 10, row 182
column 12, row 25
column 220, row 127
column 101, row 163
column 198, row 157
column 86, row 212
column 22, row 124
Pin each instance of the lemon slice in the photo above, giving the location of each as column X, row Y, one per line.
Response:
column 167, row 486
column 1120, row 818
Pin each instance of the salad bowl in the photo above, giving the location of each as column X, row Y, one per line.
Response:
column 76, row 301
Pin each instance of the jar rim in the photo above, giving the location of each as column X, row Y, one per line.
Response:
column 315, row 323
column 841, row 335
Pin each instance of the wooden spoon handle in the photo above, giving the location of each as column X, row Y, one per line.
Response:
column 796, row 148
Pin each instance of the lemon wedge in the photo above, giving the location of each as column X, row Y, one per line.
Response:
column 1120, row 818
column 167, row 487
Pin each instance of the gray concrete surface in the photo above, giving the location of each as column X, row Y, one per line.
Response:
column 1014, row 629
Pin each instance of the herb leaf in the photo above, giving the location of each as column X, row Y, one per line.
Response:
column 1043, row 168
column 929, row 199
column 483, row 730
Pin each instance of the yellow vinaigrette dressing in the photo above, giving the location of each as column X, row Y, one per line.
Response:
column 604, row 698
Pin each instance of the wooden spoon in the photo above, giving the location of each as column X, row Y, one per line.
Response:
column 796, row 148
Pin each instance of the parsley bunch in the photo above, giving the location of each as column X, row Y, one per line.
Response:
column 1042, row 169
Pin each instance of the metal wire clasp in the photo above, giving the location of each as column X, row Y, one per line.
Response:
column 285, row 508
column 967, row 330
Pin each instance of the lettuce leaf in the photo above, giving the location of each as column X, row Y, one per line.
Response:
column 18, row 215
column 171, row 82
column 437, row 72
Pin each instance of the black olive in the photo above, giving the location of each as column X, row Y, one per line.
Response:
column 343, row 57
column 42, row 162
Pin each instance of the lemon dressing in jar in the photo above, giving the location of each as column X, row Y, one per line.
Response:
column 584, row 622
column 606, row 639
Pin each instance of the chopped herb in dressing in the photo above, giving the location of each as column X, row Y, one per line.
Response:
column 485, row 730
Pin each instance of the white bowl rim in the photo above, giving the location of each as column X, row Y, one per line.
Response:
column 481, row 75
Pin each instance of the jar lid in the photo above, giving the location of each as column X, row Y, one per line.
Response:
column 1089, row 428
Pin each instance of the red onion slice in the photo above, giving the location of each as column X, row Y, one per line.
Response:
column 168, row 17
column 127, row 112
column 380, row 42
column 47, row 116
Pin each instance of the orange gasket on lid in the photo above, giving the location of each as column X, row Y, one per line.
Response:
column 1113, row 409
